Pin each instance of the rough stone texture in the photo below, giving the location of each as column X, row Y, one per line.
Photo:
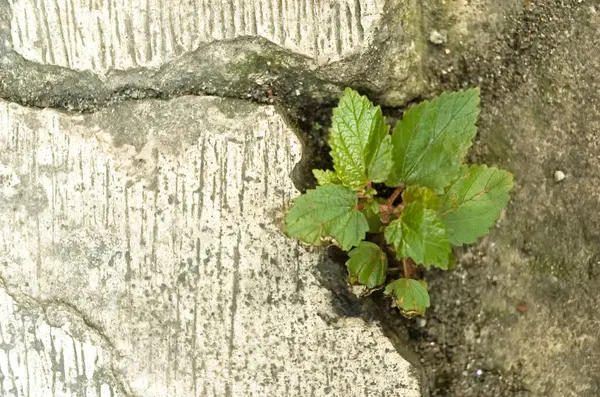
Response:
column 549, row 253
column 524, row 303
column 107, row 34
column 46, row 349
column 125, row 48
column 159, row 224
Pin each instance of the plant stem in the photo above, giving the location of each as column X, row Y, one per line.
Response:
column 406, row 263
column 395, row 195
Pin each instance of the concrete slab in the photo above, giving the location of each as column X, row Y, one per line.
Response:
column 133, row 48
column 46, row 349
column 158, row 225
column 104, row 35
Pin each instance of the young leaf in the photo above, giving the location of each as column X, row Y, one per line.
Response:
column 431, row 141
column 327, row 211
column 360, row 147
column 326, row 177
column 422, row 195
column 473, row 202
column 367, row 265
column 371, row 212
column 420, row 235
column 379, row 150
column 411, row 296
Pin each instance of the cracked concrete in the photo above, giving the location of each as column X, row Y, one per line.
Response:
column 49, row 346
column 144, row 223
column 152, row 231
column 47, row 57
column 117, row 220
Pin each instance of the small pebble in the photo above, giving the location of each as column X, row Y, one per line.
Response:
column 559, row 176
column 421, row 322
column 437, row 37
column 479, row 372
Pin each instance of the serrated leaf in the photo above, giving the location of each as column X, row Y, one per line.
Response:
column 367, row 265
column 360, row 147
column 371, row 212
column 379, row 150
column 411, row 296
column 421, row 194
column 327, row 211
column 326, row 177
column 431, row 140
column 419, row 234
column 473, row 202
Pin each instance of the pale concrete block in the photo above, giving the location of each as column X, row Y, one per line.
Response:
column 46, row 350
column 160, row 222
column 124, row 34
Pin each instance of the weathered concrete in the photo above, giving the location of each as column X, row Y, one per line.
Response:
column 237, row 48
column 107, row 35
column 159, row 224
column 520, row 316
column 46, row 349
column 547, row 257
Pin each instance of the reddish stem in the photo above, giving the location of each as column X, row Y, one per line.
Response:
column 394, row 195
column 408, row 268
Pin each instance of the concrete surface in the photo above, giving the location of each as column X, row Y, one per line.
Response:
column 161, row 48
column 518, row 318
column 46, row 349
column 104, row 35
column 157, row 225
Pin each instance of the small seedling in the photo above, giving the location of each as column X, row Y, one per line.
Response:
column 436, row 200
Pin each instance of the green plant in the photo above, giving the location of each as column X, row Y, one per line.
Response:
column 437, row 201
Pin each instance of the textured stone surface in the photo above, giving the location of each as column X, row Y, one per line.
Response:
column 523, row 306
column 548, row 256
column 46, row 349
column 160, row 223
column 127, row 46
column 108, row 34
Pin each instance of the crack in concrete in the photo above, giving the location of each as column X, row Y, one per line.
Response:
column 73, row 313
column 247, row 67
column 244, row 68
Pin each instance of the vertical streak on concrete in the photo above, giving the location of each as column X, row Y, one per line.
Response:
column 114, row 34
column 245, row 298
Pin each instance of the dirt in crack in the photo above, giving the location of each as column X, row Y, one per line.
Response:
column 439, row 346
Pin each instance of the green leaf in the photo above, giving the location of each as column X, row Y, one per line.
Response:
column 411, row 296
column 451, row 261
column 367, row 265
column 371, row 212
column 360, row 141
column 473, row 202
column 379, row 150
column 326, row 177
column 420, row 235
column 327, row 211
column 431, row 140
column 422, row 195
